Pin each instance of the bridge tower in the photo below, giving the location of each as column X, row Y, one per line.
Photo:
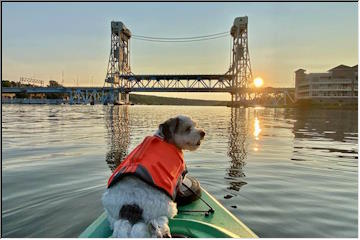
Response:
column 240, row 68
column 119, row 60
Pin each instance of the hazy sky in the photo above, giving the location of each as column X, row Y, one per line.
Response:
column 41, row 40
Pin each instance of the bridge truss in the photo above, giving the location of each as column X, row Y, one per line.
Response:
column 119, row 60
column 241, row 67
column 178, row 83
column 31, row 81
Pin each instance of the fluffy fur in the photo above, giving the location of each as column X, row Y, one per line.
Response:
column 157, row 206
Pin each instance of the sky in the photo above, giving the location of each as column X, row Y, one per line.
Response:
column 71, row 41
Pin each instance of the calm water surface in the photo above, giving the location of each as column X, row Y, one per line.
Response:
column 283, row 172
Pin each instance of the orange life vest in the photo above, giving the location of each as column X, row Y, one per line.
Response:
column 156, row 162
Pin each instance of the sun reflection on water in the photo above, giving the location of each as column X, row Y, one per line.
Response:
column 257, row 128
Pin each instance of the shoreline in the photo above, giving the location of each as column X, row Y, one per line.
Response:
column 21, row 101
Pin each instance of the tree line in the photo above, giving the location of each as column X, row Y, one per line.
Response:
column 52, row 83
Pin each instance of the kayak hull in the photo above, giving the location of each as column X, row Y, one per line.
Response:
column 220, row 224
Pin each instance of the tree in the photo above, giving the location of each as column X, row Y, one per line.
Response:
column 53, row 83
column 5, row 83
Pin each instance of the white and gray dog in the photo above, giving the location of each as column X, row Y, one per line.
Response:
column 156, row 206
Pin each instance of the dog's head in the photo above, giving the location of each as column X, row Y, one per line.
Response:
column 182, row 132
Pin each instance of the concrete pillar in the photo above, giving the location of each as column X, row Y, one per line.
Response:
column 119, row 97
column 127, row 98
column 71, row 98
column 86, row 100
column 102, row 96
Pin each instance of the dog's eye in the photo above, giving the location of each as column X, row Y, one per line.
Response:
column 188, row 129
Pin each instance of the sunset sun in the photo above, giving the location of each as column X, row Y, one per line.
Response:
column 258, row 82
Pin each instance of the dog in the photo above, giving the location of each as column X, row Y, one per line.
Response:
column 138, row 209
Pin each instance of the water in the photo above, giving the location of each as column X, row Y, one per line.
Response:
column 283, row 172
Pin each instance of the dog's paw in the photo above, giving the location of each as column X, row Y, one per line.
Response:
column 139, row 230
column 159, row 227
column 122, row 229
column 172, row 209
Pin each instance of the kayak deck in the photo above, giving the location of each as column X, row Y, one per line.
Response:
column 221, row 218
column 220, row 224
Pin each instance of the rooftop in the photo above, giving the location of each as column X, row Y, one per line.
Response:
column 341, row 67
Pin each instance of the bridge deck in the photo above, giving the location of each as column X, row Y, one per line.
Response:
column 138, row 89
column 50, row 89
column 177, row 77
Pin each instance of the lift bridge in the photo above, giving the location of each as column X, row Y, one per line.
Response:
column 234, row 81
column 120, row 80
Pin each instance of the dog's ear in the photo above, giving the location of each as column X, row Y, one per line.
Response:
column 169, row 128
column 165, row 131
column 176, row 127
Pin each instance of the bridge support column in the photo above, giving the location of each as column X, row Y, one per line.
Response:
column 241, row 68
column 103, row 97
column 127, row 98
column 71, row 98
column 112, row 96
column 118, row 97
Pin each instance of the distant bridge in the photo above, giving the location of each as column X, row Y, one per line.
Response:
column 85, row 95
column 120, row 81
column 70, row 90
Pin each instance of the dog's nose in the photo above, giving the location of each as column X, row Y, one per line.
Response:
column 202, row 133
column 167, row 235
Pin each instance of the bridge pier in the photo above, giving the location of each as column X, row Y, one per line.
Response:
column 123, row 98
column 127, row 98
column 71, row 98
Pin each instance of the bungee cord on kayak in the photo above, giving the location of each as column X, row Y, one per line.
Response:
column 207, row 213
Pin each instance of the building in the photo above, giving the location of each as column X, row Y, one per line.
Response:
column 338, row 85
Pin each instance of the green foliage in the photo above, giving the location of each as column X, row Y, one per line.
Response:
column 22, row 95
column 7, row 83
column 55, row 95
column 53, row 83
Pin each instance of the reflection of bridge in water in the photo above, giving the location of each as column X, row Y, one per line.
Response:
column 117, row 124
column 120, row 81
column 237, row 150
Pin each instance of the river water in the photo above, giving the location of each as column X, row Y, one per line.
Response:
column 283, row 172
